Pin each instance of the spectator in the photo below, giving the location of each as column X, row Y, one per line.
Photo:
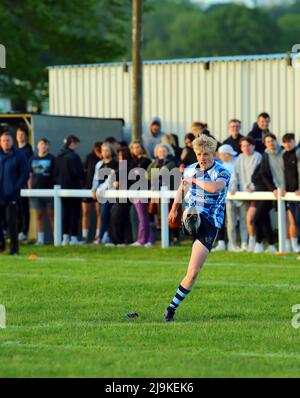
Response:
column 188, row 155
column 119, row 226
column 88, row 204
column 153, row 138
column 268, row 176
column 24, row 214
column 42, row 168
column 108, row 162
column 198, row 128
column 14, row 172
column 291, row 161
column 233, row 208
column 171, row 140
column 69, row 174
column 164, row 159
column 234, row 127
column 244, row 168
column 112, row 141
column 259, row 130
column 141, row 161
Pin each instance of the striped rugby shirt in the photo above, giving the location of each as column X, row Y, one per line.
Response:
column 210, row 205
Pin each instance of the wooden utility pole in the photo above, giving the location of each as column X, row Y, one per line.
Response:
column 137, row 69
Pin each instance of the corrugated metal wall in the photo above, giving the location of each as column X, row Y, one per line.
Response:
column 181, row 92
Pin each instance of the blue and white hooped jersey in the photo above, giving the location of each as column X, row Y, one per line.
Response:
column 210, row 205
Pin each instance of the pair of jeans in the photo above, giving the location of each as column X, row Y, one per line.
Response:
column 9, row 213
column 104, row 218
column 233, row 213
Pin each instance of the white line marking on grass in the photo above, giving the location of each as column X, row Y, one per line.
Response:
column 250, row 285
column 269, row 354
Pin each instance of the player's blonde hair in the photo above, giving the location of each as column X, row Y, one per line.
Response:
column 205, row 143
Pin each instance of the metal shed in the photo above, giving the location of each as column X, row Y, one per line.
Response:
column 185, row 90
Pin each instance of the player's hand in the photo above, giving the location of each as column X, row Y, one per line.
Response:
column 232, row 192
column 172, row 216
column 249, row 190
column 283, row 193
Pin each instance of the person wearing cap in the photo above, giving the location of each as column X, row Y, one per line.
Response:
column 42, row 168
column 227, row 156
column 234, row 127
column 153, row 138
column 69, row 174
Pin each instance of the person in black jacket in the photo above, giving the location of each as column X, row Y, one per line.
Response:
column 268, row 176
column 14, row 172
column 233, row 140
column 291, row 161
column 23, row 208
column 259, row 130
column 69, row 174
column 89, row 165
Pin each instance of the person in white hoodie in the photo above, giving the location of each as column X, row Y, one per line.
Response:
column 244, row 168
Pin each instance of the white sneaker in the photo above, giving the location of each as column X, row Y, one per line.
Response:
column 39, row 243
column 233, row 248
column 220, row 246
column 22, row 237
column 136, row 244
column 295, row 247
column 109, row 244
column 259, row 248
column 74, row 241
column 121, row 245
column 271, row 249
column 287, row 246
column 148, row 244
column 244, row 247
column 66, row 240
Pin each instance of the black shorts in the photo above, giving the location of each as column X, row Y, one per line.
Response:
column 206, row 233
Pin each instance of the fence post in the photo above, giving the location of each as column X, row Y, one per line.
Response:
column 164, row 218
column 57, row 216
column 281, row 222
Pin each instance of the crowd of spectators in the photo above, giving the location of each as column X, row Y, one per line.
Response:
column 257, row 161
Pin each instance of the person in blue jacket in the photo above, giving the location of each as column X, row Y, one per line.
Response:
column 14, row 172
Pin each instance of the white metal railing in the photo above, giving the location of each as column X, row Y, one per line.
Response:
column 164, row 195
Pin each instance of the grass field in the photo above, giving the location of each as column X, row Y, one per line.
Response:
column 65, row 314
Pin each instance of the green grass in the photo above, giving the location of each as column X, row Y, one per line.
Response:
column 65, row 314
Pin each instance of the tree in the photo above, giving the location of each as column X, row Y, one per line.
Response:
column 38, row 33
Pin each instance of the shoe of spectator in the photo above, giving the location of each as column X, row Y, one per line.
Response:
column 109, row 244
column 287, row 246
column 233, row 248
column 176, row 242
column 271, row 249
column 74, row 241
column 136, row 244
column 251, row 244
column 22, row 237
column 121, row 245
column 259, row 248
column 295, row 247
column 66, row 240
column 39, row 243
column 148, row 244
column 244, row 247
column 220, row 246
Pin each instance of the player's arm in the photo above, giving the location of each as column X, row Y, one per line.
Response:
column 180, row 194
column 209, row 186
